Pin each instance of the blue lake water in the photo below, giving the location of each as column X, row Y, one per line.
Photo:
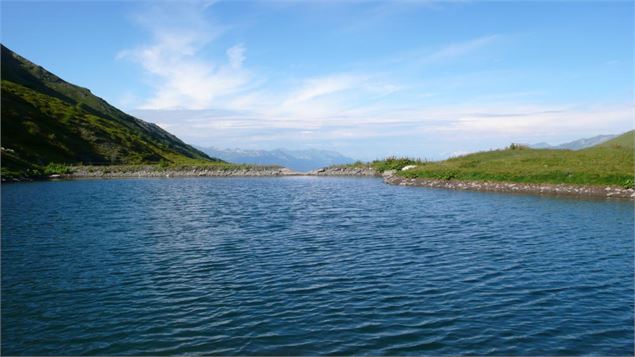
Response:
column 306, row 265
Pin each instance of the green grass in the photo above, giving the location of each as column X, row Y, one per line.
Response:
column 611, row 163
column 29, row 171
column 52, row 169
column 389, row 163
column 624, row 141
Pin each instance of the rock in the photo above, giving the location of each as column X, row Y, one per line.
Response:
column 409, row 167
column 54, row 176
column 558, row 189
column 345, row 171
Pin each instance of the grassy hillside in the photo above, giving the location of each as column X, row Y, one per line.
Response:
column 389, row 163
column 47, row 120
column 625, row 141
column 609, row 163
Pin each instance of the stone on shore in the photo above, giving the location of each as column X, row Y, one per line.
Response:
column 553, row 189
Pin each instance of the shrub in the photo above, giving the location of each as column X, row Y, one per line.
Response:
column 57, row 169
column 163, row 163
column 395, row 163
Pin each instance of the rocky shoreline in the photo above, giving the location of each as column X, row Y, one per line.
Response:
column 389, row 177
column 154, row 171
column 366, row 171
column 508, row 187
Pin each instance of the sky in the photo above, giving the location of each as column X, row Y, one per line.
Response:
column 369, row 79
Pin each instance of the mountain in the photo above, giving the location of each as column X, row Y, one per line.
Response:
column 624, row 141
column 576, row 144
column 298, row 160
column 48, row 120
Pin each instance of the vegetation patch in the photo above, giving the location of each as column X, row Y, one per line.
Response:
column 57, row 169
column 610, row 163
column 389, row 163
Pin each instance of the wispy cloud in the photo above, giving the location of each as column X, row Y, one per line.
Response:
column 442, row 54
column 460, row 49
column 316, row 87
column 420, row 131
column 236, row 56
column 180, row 77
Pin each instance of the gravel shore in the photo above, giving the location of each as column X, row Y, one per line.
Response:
column 154, row 171
column 547, row 189
column 344, row 171
column 389, row 178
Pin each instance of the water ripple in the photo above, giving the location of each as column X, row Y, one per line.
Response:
column 297, row 266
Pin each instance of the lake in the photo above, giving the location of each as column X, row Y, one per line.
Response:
column 308, row 265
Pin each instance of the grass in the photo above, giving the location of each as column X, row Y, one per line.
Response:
column 610, row 163
column 389, row 163
column 53, row 169
column 29, row 171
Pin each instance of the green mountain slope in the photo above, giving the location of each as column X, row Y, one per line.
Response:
column 47, row 120
column 609, row 163
column 626, row 141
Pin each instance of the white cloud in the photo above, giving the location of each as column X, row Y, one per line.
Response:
column 236, row 56
column 432, row 132
column 321, row 86
column 181, row 78
column 460, row 49
column 541, row 122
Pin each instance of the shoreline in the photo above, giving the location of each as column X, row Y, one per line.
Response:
column 514, row 187
column 149, row 171
column 366, row 171
column 389, row 177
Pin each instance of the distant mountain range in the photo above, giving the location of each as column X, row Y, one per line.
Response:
column 297, row 160
column 576, row 144
column 48, row 120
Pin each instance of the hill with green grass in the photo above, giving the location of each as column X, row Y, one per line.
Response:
column 48, row 121
column 609, row 163
column 625, row 141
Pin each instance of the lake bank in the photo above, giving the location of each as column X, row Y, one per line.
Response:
column 132, row 171
column 390, row 177
column 366, row 171
column 192, row 171
column 515, row 187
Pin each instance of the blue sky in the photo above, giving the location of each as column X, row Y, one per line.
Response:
column 429, row 79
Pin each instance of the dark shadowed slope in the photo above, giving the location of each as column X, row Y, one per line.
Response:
column 47, row 120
